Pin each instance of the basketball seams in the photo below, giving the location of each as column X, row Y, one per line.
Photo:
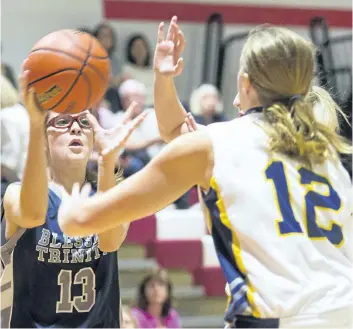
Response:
column 89, row 95
column 68, row 35
column 77, row 78
column 51, row 74
column 91, row 66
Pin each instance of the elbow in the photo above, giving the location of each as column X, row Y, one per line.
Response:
column 166, row 135
column 33, row 220
column 112, row 240
column 109, row 247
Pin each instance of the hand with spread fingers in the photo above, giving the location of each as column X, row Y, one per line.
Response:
column 167, row 56
column 111, row 141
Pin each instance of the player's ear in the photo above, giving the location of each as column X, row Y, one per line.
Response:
column 246, row 84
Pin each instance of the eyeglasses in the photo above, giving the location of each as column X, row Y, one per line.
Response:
column 66, row 121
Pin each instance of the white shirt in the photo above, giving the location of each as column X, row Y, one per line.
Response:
column 14, row 139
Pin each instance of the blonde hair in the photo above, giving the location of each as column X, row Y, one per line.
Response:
column 197, row 94
column 301, row 119
column 9, row 96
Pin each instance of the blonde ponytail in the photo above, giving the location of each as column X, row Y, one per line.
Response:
column 298, row 131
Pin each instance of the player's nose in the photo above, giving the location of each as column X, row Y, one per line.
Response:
column 236, row 102
column 75, row 128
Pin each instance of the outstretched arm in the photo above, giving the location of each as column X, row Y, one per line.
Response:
column 185, row 162
column 168, row 64
column 23, row 207
column 112, row 239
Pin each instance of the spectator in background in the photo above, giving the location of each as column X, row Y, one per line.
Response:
column 7, row 72
column 9, row 95
column 145, row 141
column 85, row 29
column 107, row 37
column 138, row 64
column 14, row 135
column 154, row 305
column 206, row 106
column 128, row 320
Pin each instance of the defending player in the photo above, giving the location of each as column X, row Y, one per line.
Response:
column 279, row 198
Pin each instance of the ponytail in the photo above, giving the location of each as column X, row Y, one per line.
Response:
column 307, row 128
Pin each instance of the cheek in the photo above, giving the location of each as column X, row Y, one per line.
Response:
column 162, row 291
column 90, row 140
column 55, row 140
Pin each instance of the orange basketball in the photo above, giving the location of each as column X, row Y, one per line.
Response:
column 69, row 70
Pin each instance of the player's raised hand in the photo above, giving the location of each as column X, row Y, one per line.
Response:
column 29, row 99
column 167, row 56
column 110, row 142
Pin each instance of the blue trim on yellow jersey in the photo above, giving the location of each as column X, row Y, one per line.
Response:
column 229, row 255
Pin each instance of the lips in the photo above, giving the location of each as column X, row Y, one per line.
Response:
column 75, row 142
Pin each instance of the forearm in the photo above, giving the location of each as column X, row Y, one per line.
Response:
column 142, row 145
column 169, row 111
column 112, row 239
column 34, row 187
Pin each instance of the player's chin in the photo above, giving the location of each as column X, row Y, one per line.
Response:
column 76, row 153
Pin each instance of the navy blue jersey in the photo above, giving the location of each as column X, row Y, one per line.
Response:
column 51, row 280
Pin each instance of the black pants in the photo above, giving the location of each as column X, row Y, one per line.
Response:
column 251, row 322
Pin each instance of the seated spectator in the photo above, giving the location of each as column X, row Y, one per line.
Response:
column 206, row 106
column 145, row 141
column 85, row 29
column 138, row 64
column 154, row 305
column 9, row 95
column 107, row 37
column 127, row 319
column 7, row 71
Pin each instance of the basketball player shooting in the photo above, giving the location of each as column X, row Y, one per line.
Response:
column 278, row 197
column 51, row 279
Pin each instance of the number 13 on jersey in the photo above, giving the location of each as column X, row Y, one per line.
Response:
column 313, row 201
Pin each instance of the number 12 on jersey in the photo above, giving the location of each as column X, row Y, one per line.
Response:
column 288, row 224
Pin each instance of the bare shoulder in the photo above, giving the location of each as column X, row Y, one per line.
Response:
column 12, row 196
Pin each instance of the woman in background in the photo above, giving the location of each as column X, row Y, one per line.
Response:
column 154, row 304
column 138, row 64
column 107, row 37
column 206, row 105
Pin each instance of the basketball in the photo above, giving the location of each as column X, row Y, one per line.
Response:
column 69, row 71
